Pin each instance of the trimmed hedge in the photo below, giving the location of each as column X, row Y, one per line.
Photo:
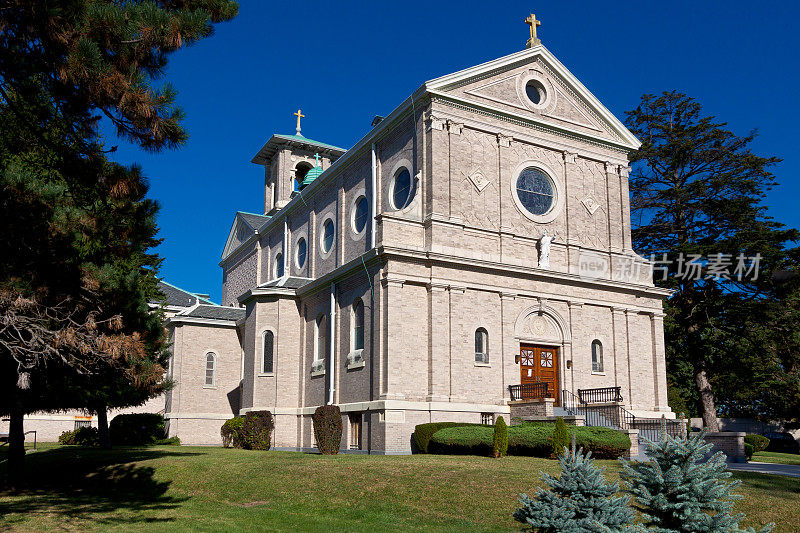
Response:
column 231, row 433
column 257, row 430
column 500, row 440
column 83, row 436
column 137, row 429
column 758, row 442
column 328, row 429
column 749, row 449
column 423, row 433
column 529, row 440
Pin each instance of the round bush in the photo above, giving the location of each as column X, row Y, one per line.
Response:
column 138, row 429
column 257, row 430
column 232, row 432
column 327, row 421
column 748, row 450
column 83, row 436
column 758, row 442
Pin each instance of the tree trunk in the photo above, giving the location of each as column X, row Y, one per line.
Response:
column 103, row 436
column 707, row 408
column 16, row 447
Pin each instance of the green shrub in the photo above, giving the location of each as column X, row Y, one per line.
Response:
column 528, row 439
column 328, row 429
column 749, row 450
column 257, row 430
column 231, row 433
column 463, row 440
column 500, row 440
column 172, row 441
column 560, row 439
column 758, row 442
column 138, row 429
column 83, row 436
column 423, row 433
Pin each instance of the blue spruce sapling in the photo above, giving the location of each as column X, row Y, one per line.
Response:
column 580, row 500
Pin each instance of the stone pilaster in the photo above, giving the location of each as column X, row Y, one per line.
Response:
column 659, row 362
column 620, row 365
column 439, row 317
column 615, row 223
column 625, row 201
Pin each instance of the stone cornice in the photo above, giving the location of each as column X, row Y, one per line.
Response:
column 196, row 321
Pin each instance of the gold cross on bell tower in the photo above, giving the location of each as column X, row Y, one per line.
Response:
column 299, row 115
column 533, row 23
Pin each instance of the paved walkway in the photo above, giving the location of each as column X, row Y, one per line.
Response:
column 766, row 468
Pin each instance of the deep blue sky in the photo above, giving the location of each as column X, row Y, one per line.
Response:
column 345, row 62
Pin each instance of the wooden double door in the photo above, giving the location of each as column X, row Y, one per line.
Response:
column 539, row 364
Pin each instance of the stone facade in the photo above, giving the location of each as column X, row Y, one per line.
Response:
column 461, row 253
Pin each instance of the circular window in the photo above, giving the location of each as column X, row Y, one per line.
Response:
column 279, row 266
column 360, row 215
column 534, row 90
column 300, row 253
column 402, row 189
column 535, row 191
column 327, row 236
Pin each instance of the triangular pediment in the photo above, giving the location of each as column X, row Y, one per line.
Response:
column 243, row 227
column 559, row 99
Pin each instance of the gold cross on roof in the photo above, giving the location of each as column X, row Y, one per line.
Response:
column 533, row 23
column 299, row 115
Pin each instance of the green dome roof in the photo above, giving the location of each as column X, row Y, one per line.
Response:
column 311, row 175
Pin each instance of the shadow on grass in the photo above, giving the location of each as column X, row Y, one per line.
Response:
column 103, row 486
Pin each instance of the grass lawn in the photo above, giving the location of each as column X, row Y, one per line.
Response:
column 171, row 488
column 775, row 457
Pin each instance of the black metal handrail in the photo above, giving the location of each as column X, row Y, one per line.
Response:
column 528, row 391
column 600, row 395
column 611, row 416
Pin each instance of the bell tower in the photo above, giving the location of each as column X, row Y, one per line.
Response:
column 292, row 162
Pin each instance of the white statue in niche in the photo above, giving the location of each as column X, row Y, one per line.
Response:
column 544, row 249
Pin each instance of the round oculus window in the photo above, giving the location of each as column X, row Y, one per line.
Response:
column 360, row 215
column 300, row 253
column 327, row 236
column 534, row 90
column 403, row 189
column 535, row 191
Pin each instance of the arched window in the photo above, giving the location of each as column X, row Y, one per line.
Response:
column 279, row 265
column 358, row 325
column 481, row 346
column 211, row 369
column 300, row 172
column 597, row 356
column 268, row 357
column 320, row 346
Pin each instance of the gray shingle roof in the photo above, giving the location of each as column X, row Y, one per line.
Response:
column 177, row 297
column 216, row 312
column 254, row 220
column 289, row 282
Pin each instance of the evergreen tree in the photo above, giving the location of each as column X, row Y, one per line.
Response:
column 697, row 195
column 500, row 438
column 678, row 490
column 560, row 437
column 76, row 269
column 579, row 500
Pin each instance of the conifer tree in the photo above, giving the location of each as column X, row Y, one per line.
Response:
column 678, row 490
column 560, row 438
column 500, row 438
column 579, row 500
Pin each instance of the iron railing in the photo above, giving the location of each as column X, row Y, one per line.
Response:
column 601, row 395
column 617, row 417
column 528, row 391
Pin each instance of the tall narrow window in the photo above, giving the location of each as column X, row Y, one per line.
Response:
column 269, row 347
column 211, row 368
column 355, row 431
column 481, row 346
column 358, row 325
column 279, row 266
column 320, row 348
column 597, row 356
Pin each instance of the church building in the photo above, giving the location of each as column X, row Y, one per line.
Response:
column 475, row 241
